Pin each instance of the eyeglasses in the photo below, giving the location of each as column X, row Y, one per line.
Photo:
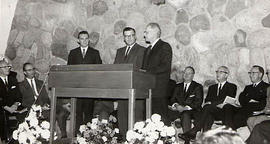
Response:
column 6, row 67
column 222, row 72
column 252, row 73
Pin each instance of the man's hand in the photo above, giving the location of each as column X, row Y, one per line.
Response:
column 180, row 108
column 10, row 109
column 67, row 106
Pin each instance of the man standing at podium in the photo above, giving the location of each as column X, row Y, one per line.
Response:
column 158, row 61
column 132, row 53
column 84, row 55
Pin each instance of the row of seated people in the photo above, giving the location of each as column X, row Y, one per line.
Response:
column 17, row 98
column 187, row 101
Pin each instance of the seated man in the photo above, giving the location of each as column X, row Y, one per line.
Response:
column 260, row 134
column 252, row 121
column 212, row 109
column 34, row 92
column 252, row 99
column 10, row 98
column 187, row 99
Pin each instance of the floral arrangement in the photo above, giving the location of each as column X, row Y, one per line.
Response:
column 33, row 130
column 99, row 132
column 152, row 131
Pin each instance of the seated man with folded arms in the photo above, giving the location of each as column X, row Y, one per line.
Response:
column 212, row 109
column 34, row 92
column 187, row 99
column 10, row 98
column 252, row 99
column 264, row 114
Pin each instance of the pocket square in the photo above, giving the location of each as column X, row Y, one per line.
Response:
column 192, row 96
column 13, row 87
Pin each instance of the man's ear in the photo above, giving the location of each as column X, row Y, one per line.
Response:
column 24, row 72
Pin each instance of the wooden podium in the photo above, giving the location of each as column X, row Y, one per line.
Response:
column 113, row 81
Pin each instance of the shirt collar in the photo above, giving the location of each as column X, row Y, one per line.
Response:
column 257, row 83
column 3, row 78
column 131, row 46
column 153, row 44
column 84, row 48
column 222, row 84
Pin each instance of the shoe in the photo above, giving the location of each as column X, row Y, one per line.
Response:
column 187, row 136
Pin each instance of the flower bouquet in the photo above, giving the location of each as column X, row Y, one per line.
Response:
column 152, row 131
column 98, row 132
column 33, row 130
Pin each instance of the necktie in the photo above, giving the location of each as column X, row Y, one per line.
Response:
column 33, row 88
column 219, row 89
column 126, row 54
column 83, row 52
column 254, row 85
column 146, row 57
column 185, row 87
column 6, row 83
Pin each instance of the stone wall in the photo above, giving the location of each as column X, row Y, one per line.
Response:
column 203, row 33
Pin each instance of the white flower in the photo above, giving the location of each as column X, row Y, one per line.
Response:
column 159, row 126
column 22, row 137
column 139, row 125
column 82, row 128
column 93, row 126
column 170, row 131
column 33, row 122
column 23, row 126
column 95, row 120
column 154, row 135
column 173, row 139
column 104, row 139
column 104, row 121
column 15, row 134
column 45, row 125
column 163, row 133
column 81, row 140
column 130, row 135
column 149, row 139
column 159, row 142
column 116, row 130
column 89, row 124
column 156, row 118
column 31, row 137
column 36, row 108
column 45, row 134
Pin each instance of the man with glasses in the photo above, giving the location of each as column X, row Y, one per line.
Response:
column 264, row 114
column 187, row 99
column 132, row 53
column 212, row 109
column 34, row 92
column 253, row 97
column 10, row 98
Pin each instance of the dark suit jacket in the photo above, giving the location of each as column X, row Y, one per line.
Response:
column 28, row 95
column 11, row 95
column 193, row 97
column 159, row 64
column 258, row 93
column 135, row 56
column 91, row 57
column 228, row 89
